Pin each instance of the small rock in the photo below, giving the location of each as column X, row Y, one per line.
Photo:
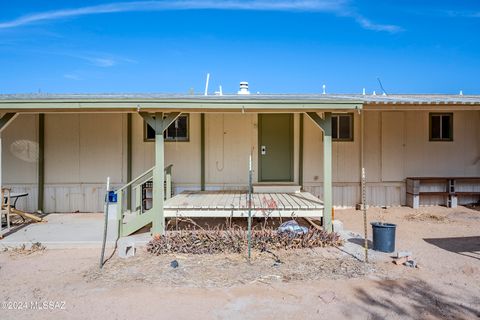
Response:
column 174, row 264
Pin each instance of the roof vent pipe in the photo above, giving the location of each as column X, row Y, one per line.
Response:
column 243, row 88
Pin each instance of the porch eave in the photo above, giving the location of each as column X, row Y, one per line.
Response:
column 198, row 106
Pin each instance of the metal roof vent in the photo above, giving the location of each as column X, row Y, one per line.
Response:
column 243, row 88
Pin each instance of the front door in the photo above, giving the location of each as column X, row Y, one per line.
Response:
column 275, row 140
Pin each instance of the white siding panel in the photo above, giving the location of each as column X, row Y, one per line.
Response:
column 28, row 203
column 393, row 146
column 20, row 150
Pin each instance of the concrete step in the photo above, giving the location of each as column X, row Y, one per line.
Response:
column 276, row 188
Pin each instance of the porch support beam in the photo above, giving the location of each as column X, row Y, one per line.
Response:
column 325, row 124
column 5, row 120
column 159, row 125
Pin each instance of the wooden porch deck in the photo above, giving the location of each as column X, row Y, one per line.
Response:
column 235, row 204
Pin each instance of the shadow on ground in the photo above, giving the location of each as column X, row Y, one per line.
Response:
column 465, row 246
column 361, row 242
column 414, row 299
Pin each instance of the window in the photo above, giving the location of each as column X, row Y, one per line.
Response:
column 342, row 127
column 177, row 131
column 441, row 127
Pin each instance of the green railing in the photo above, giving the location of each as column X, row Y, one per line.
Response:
column 131, row 219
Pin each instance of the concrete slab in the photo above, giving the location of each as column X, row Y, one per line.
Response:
column 64, row 231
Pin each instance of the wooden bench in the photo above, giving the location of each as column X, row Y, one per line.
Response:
column 449, row 189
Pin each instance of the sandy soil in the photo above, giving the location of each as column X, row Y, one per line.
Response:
column 310, row 284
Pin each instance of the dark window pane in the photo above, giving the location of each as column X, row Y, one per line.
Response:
column 345, row 132
column 435, row 129
column 178, row 129
column 334, row 127
column 446, row 130
column 150, row 133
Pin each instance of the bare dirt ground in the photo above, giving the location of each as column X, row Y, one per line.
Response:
column 324, row 283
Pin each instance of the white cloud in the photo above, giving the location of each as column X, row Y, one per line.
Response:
column 339, row 7
column 72, row 76
column 102, row 62
column 369, row 25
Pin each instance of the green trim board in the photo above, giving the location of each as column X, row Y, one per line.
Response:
column 194, row 104
column 276, row 147
column 300, row 151
column 202, row 151
column 129, row 159
column 41, row 162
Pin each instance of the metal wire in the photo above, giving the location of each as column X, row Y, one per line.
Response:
column 364, row 208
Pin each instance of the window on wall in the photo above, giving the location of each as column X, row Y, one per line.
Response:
column 441, row 127
column 177, row 131
column 342, row 127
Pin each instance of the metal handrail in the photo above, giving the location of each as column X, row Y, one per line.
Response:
column 134, row 180
column 168, row 170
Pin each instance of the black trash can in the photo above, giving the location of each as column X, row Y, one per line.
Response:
column 383, row 236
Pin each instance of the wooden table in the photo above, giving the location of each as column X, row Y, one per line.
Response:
column 13, row 209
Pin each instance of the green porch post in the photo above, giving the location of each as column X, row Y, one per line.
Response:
column 159, row 124
column 158, row 224
column 202, row 152
column 327, row 171
column 129, row 160
column 326, row 125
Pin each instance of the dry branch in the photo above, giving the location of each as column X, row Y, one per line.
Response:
column 234, row 240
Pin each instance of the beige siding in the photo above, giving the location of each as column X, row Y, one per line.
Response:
column 20, row 159
column 184, row 155
column 372, row 146
column 393, row 146
column 230, row 138
column 82, row 150
column 396, row 146
column 20, row 151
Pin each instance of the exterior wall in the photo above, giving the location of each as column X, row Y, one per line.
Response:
column 81, row 150
column 20, row 158
column 396, row 146
column 229, row 140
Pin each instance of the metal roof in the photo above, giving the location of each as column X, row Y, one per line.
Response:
column 153, row 102
column 320, row 98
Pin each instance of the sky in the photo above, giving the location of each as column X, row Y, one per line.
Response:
column 278, row 46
